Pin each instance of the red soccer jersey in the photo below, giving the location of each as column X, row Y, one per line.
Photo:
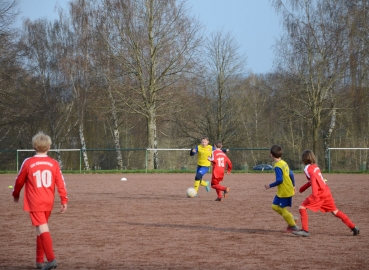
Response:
column 39, row 174
column 219, row 160
column 318, row 185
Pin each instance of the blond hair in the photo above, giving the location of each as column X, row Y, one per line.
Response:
column 41, row 142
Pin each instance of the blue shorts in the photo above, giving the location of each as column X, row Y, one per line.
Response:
column 200, row 172
column 282, row 202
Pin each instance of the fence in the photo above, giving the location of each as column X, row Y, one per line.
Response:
column 133, row 158
column 348, row 159
column 243, row 159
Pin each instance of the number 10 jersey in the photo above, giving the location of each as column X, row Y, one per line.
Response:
column 39, row 175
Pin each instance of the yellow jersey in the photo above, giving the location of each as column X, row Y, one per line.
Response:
column 203, row 154
column 285, row 189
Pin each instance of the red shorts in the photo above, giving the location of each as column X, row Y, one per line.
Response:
column 325, row 204
column 39, row 218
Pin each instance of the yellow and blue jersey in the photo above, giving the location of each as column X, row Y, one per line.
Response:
column 285, row 180
column 203, row 153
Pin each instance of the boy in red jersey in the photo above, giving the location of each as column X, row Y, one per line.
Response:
column 219, row 159
column 285, row 183
column 39, row 174
column 320, row 198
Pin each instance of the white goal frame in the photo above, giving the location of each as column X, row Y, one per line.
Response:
column 352, row 148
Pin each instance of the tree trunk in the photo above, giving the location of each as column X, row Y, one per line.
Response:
column 83, row 145
column 152, row 161
column 116, row 131
column 327, row 137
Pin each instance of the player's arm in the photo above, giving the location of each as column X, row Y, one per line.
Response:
column 60, row 183
column 229, row 165
column 211, row 159
column 278, row 178
column 63, row 208
column 292, row 176
column 19, row 182
column 305, row 187
column 193, row 151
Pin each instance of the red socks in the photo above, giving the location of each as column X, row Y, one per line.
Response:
column 47, row 244
column 40, row 254
column 345, row 219
column 304, row 220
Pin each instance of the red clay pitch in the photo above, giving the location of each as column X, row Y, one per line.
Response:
column 147, row 222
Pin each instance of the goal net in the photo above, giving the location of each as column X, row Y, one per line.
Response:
column 348, row 159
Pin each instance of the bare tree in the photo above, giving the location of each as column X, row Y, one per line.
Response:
column 44, row 44
column 225, row 67
column 9, row 69
column 213, row 91
column 313, row 52
column 154, row 42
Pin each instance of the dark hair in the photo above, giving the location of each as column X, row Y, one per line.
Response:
column 308, row 157
column 276, row 151
column 204, row 138
column 218, row 144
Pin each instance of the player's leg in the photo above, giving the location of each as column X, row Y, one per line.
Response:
column 218, row 188
column 304, row 222
column 288, row 217
column 39, row 220
column 330, row 206
column 196, row 185
column 47, row 244
column 201, row 171
column 198, row 178
column 345, row 219
column 219, row 195
column 40, row 254
column 225, row 192
column 276, row 208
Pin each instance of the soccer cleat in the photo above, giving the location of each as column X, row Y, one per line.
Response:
column 39, row 265
column 293, row 228
column 355, row 230
column 50, row 265
column 219, row 199
column 208, row 186
column 301, row 233
column 225, row 193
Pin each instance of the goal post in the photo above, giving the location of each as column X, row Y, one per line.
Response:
column 52, row 150
column 349, row 159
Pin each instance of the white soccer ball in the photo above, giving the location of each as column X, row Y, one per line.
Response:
column 191, row 192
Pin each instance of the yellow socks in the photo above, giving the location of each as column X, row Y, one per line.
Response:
column 196, row 185
column 288, row 217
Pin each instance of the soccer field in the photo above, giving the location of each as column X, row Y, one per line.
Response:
column 147, row 222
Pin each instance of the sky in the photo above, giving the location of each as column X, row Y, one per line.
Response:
column 253, row 23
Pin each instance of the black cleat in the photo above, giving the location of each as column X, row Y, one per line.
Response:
column 355, row 230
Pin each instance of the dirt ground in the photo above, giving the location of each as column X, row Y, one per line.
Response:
column 147, row 222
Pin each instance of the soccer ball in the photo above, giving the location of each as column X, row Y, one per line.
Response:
column 191, row 192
